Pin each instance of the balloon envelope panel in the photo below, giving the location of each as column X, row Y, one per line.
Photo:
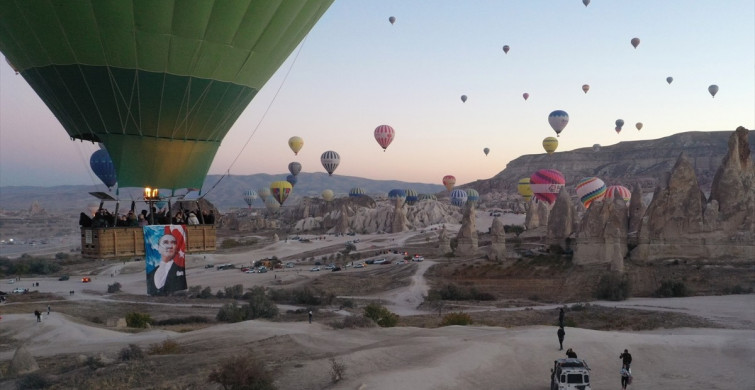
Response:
column 546, row 184
column 590, row 189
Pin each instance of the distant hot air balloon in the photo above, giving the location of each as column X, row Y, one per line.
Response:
column 449, row 181
column 585, row 87
column 546, row 184
column 411, row 197
column 292, row 179
column 392, row 19
column 558, row 120
column 356, row 191
column 458, row 197
column 249, row 197
column 619, row 125
column 713, row 89
column 280, row 190
column 486, row 151
column 328, row 195
column 294, row 168
column 103, row 167
column 472, row 195
column 596, row 148
column 590, row 189
column 550, row 144
column 506, row 49
column 272, row 204
column 524, row 189
column 620, row 192
column 295, row 143
column 669, row 79
column 330, row 161
column 586, row 2
column 384, row 135
column 526, row 96
column 263, row 193
column 635, row 42
column 463, row 98
column 638, row 125
column 397, row 194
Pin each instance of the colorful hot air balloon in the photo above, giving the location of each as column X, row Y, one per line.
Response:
column 294, row 168
column 713, row 90
column 328, row 195
column 449, row 182
column 585, row 88
column 546, row 184
column 463, row 98
column 356, row 191
column 506, row 49
column 558, row 120
column 669, row 79
column 613, row 192
column 458, row 197
column 550, row 144
column 384, row 135
column 619, row 125
column 486, row 151
column 159, row 83
column 411, row 197
column 526, row 96
column 472, row 195
column 249, row 197
column 586, row 2
column 392, row 19
column 635, row 42
column 524, row 189
column 295, row 143
column 590, row 189
column 638, row 125
column 102, row 166
column 330, row 161
column 280, row 190
column 292, row 179
column 272, row 204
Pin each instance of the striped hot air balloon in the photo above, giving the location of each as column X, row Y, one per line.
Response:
column 330, row 161
column 472, row 195
column 356, row 191
column 384, row 135
column 411, row 197
column 458, row 197
column 546, row 184
column 590, row 189
column 613, row 192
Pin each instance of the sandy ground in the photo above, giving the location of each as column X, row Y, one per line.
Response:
column 453, row 357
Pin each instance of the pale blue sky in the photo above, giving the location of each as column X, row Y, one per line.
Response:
column 356, row 71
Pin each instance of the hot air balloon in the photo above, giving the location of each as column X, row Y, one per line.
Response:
column 546, row 184
column 635, row 42
column 411, row 197
column 356, row 191
column 292, row 179
column 596, row 148
column 669, row 79
column 392, row 19
column 328, row 195
column 384, row 135
column 638, row 125
column 102, row 166
column 550, row 144
column 506, row 49
column 449, row 182
column 295, row 143
column 472, row 195
column 621, row 192
column 249, row 197
column 397, row 194
column 272, row 204
column 486, row 151
column 458, row 197
column 558, row 120
column 586, row 2
column 163, row 82
column 713, row 90
column 280, row 190
column 330, row 161
column 263, row 193
column 463, row 98
column 294, row 168
column 619, row 125
column 427, row 197
column 524, row 189
column 590, row 189
column 526, row 96
column 585, row 87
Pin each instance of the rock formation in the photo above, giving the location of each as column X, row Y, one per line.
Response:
column 497, row 248
column 444, row 242
column 342, row 226
column 602, row 235
column 399, row 216
column 22, row 362
column 531, row 220
column 561, row 220
column 636, row 211
column 467, row 236
column 734, row 185
column 275, row 237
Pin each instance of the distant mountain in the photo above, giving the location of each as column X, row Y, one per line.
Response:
column 225, row 193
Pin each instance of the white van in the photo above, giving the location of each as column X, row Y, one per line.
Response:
column 570, row 374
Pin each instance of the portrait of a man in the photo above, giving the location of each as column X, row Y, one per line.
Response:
column 165, row 248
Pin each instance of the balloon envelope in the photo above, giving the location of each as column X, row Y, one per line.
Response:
column 486, row 151
column 280, row 190
column 384, row 135
column 558, row 120
column 294, row 168
column 524, row 189
column 526, row 96
column 328, row 195
column 330, row 161
column 619, row 123
column 272, row 204
column 713, row 90
column 263, row 193
column 458, row 197
column 295, row 143
column 618, row 192
column 586, row 2
column 546, row 184
column 669, row 79
column 449, row 181
column 292, row 179
column 635, row 42
column 392, row 19
column 102, row 166
column 411, row 197
column 356, row 191
column 506, row 49
column 463, row 98
column 590, row 189
column 550, row 144
column 472, row 195
column 638, row 125
column 159, row 83
column 249, row 197
column 585, row 88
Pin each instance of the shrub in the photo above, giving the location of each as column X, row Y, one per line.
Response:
column 260, row 306
column 132, row 352
column 381, row 315
column 93, row 362
column 167, row 347
column 182, row 320
column 242, row 372
column 613, row 287
column 352, row 322
column 61, row 256
column 206, row 293
column 456, row 319
column 113, row 288
column 138, row 320
column 347, row 303
column 235, row 292
column 671, row 289
column 33, row 381
column 337, row 369
column 230, row 312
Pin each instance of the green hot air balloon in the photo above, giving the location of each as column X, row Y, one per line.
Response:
column 160, row 83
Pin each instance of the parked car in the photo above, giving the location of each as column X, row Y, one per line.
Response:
column 379, row 261
column 63, row 277
column 19, row 290
column 315, row 269
column 290, row 265
column 208, row 266
column 418, row 258
column 86, row 279
column 570, row 374
column 11, row 281
column 336, row 269
column 360, row 265
column 262, row 269
column 250, row 271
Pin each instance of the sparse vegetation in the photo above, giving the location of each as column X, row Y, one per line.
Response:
column 460, row 318
column 259, row 306
column 113, row 288
column 132, row 352
column 352, row 322
column 337, row 369
column 242, row 373
column 28, row 265
column 452, row 292
column 33, row 381
column 181, row 321
column 167, row 347
column 381, row 315
column 138, row 320
column 613, row 287
column 670, row 288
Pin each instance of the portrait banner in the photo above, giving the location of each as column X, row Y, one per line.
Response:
column 165, row 258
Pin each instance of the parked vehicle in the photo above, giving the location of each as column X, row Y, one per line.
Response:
column 360, row 265
column 315, row 269
column 418, row 258
column 336, row 269
column 290, row 265
column 86, row 279
column 63, row 277
column 378, row 261
column 570, row 374
column 208, row 266
column 19, row 290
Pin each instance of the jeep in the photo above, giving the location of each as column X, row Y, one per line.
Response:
column 570, row 374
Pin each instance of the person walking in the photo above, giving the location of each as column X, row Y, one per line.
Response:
column 39, row 315
column 310, row 316
column 561, row 317
column 561, row 335
column 625, row 378
column 626, row 360
column 48, row 310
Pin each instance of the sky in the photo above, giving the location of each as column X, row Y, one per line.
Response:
column 356, row 71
